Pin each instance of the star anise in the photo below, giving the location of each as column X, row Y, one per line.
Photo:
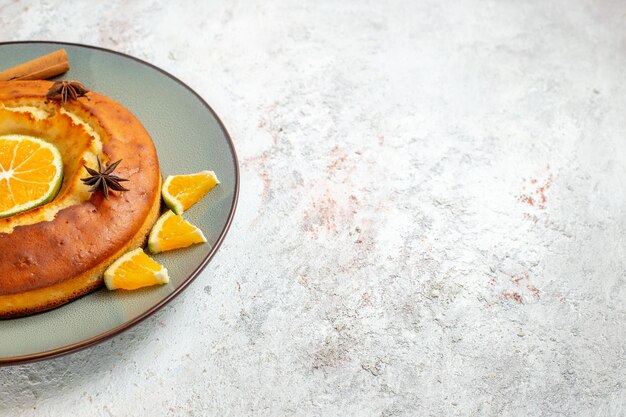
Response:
column 66, row 90
column 103, row 179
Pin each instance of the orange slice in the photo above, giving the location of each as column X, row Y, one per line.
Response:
column 173, row 232
column 183, row 191
column 135, row 270
column 31, row 173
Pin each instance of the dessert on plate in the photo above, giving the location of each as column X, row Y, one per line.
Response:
column 57, row 250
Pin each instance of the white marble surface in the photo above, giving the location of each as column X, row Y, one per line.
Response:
column 431, row 220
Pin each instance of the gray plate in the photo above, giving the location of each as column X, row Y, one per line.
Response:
column 189, row 137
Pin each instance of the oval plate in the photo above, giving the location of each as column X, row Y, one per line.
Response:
column 189, row 137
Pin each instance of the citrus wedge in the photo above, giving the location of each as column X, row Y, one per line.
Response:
column 183, row 191
column 31, row 172
column 135, row 270
column 173, row 232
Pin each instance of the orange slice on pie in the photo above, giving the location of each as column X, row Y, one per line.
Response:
column 31, row 173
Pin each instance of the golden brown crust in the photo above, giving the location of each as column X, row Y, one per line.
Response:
column 42, row 299
column 47, row 264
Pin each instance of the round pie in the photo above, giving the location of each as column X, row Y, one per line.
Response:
column 57, row 252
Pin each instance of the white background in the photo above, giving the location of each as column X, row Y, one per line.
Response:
column 431, row 216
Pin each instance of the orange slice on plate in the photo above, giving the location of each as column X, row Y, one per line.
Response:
column 183, row 191
column 31, row 173
column 173, row 232
column 135, row 270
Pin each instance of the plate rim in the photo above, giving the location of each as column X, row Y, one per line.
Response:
column 92, row 341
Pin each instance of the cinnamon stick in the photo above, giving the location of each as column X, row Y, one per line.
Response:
column 40, row 68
